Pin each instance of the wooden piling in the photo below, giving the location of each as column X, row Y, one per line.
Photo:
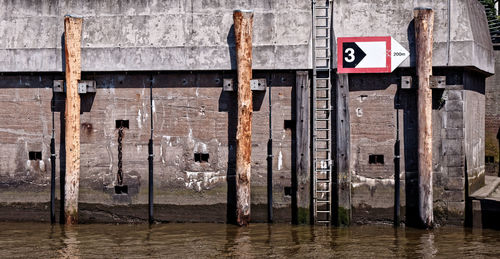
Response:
column 243, row 23
column 72, row 50
column 424, row 23
column 342, row 215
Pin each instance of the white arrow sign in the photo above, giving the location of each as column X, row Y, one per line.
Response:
column 369, row 54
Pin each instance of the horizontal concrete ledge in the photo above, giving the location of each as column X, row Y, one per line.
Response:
column 492, row 183
column 137, row 213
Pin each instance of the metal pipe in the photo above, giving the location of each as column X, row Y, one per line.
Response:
column 150, row 158
column 270, row 161
column 53, row 167
column 397, row 162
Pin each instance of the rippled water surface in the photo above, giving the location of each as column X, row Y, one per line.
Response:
column 37, row 240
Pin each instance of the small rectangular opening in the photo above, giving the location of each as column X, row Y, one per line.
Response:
column 122, row 123
column 35, row 155
column 489, row 159
column 289, row 124
column 288, row 191
column 376, row 159
column 121, row 189
column 201, row 157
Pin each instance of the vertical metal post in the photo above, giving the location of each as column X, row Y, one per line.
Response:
column 424, row 23
column 150, row 158
column 53, row 166
column 243, row 24
column 72, row 46
column 270, row 161
column 397, row 171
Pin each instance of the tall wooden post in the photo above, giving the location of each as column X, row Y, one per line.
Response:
column 72, row 50
column 424, row 23
column 342, row 198
column 302, row 175
column 243, row 23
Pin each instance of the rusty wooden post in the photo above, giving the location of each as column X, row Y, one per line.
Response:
column 243, row 23
column 72, row 50
column 424, row 23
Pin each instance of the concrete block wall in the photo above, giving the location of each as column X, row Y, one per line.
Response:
column 492, row 120
column 191, row 114
column 457, row 118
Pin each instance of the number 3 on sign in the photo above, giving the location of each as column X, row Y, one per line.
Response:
column 350, row 52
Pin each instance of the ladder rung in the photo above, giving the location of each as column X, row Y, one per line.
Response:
column 323, row 191
column 321, row 7
column 322, row 48
column 323, row 69
column 322, row 180
column 322, row 149
column 323, row 221
column 322, row 129
column 323, row 211
column 322, row 27
column 323, row 37
column 323, row 58
column 323, row 109
column 322, row 17
column 323, row 99
column 323, row 119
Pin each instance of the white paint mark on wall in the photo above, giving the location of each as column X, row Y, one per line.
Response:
column 359, row 180
column 139, row 119
column 280, row 160
column 199, row 181
column 359, row 112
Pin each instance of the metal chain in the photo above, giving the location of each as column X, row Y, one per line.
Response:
column 120, row 173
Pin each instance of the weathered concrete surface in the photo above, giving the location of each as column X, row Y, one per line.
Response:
column 192, row 115
column 470, row 43
column 456, row 114
column 197, row 35
column 492, row 120
column 153, row 35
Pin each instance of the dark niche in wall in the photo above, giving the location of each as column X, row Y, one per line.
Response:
column 376, row 159
column 35, row 155
column 201, row 157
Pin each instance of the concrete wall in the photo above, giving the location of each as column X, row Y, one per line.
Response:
column 197, row 35
column 492, row 120
column 467, row 34
column 474, row 105
column 191, row 114
column 457, row 136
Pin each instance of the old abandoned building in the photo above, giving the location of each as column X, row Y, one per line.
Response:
column 181, row 54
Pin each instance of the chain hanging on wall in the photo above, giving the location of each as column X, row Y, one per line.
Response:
column 119, row 176
column 119, row 187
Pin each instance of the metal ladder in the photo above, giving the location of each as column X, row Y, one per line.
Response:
column 322, row 112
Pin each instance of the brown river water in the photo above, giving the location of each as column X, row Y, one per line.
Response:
column 38, row 240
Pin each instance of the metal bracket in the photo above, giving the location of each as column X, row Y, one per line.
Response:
column 406, row 82
column 228, row 85
column 258, row 84
column 86, row 86
column 438, row 82
column 59, row 86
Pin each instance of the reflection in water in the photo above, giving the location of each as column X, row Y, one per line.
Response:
column 256, row 241
column 427, row 250
column 70, row 248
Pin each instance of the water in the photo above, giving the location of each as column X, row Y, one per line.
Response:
column 37, row 240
